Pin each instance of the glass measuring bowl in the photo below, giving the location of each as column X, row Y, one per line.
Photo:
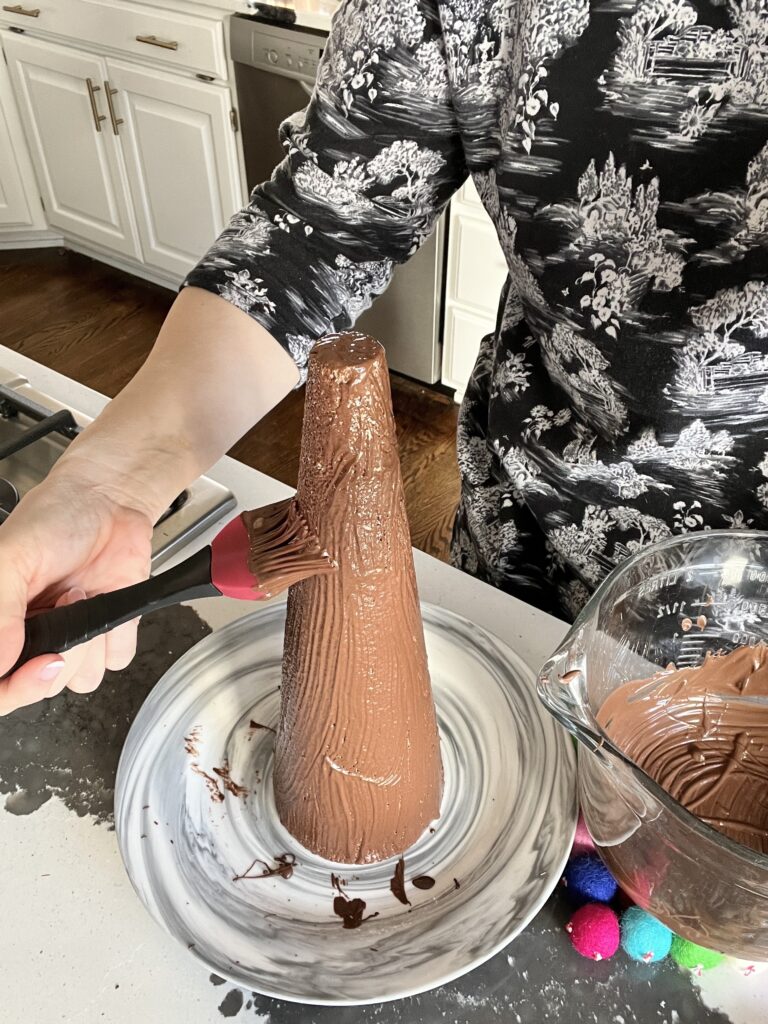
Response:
column 700, row 883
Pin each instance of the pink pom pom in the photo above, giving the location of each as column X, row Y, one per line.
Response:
column 594, row 931
column 582, row 842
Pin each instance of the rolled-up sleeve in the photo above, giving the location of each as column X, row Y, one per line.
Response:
column 370, row 164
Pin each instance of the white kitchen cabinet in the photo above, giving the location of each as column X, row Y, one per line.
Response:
column 461, row 342
column 476, row 265
column 80, row 171
column 19, row 205
column 181, row 160
column 179, row 38
column 476, row 271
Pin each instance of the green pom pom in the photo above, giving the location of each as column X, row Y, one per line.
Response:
column 695, row 958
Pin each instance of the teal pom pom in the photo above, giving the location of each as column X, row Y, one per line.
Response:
column 643, row 937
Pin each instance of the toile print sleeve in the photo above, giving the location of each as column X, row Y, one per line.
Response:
column 369, row 165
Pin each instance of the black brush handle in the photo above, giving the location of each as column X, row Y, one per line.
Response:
column 60, row 629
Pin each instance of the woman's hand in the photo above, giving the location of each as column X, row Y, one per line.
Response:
column 71, row 537
column 87, row 528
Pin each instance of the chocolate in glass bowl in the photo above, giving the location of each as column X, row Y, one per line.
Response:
column 700, row 882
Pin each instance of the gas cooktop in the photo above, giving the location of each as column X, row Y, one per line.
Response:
column 35, row 430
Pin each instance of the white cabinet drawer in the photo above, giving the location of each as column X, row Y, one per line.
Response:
column 461, row 344
column 476, row 266
column 25, row 15
column 171, row 38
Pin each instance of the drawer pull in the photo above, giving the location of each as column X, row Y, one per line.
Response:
column 28, row 12
column 166, row 44
column 97, row 117
column 116, row 121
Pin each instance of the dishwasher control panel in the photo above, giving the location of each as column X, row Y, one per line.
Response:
column 280, row 49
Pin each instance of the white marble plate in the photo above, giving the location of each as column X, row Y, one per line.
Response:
column 507, row 822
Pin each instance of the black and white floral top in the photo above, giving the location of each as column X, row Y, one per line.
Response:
column 621, row 149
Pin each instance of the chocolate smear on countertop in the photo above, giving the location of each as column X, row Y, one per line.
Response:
column 232, row 1003
column 69, row 746
column 228, row 782
column 702, row 735
column 213, row 786
column 283, row 867
column 357, row 767
column 397, row 882
column 422, row 882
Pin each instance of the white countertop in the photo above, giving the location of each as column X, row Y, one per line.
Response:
column 309, row 13
column 315, row 14
column 77, row 945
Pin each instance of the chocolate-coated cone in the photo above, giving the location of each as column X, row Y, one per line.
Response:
column 357, row 773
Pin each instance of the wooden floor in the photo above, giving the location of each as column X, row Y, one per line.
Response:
column 97, row 324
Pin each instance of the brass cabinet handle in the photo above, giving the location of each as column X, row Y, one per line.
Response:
column 28, row 12
column 97, row 117
column 112, row 116
column 166, row 44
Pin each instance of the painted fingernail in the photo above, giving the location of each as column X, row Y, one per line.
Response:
column 51, row 670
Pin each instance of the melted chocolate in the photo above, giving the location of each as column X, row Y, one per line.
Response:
column 258, row 725
column 702, row 734
column 357, row 761
column 422, row 882
column 283, row 549
column 283, row 866
column 397, row 882
column 349, row 910
column 190, row 742
column 228, row 782
column 213, row 786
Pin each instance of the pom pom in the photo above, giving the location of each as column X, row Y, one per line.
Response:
column 594, row 931
column 582, row 842
column 695, row 958
column 588, row 879
column 746, row 968
column 643, row 937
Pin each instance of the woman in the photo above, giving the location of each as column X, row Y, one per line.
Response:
column 620, row 149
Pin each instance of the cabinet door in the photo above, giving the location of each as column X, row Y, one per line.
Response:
column 464, row 331
column 19, row 203
column 76, row 155
column 181, row 159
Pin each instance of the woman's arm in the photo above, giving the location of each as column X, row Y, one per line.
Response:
column 212, row 374
column 370, row 165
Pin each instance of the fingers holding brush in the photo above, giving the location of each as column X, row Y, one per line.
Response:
column 85, row 664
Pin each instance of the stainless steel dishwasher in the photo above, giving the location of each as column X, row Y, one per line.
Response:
column 275, row 68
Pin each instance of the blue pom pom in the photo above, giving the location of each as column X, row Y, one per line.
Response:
column 643, row 937
column 588, row 879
